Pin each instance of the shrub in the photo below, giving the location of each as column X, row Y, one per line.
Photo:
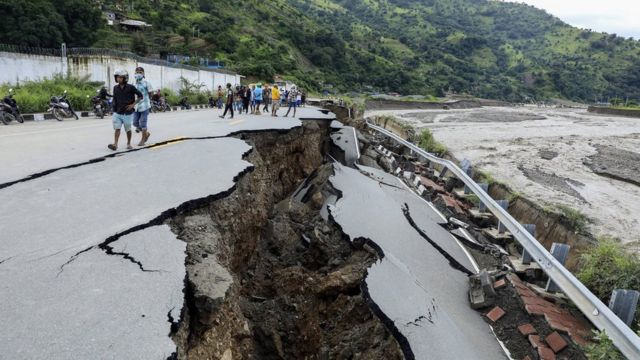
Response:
column 34, row 96
column 577, row 220
column 602, row 349
column 607, row 267
column 429, row 143
column 170, row 96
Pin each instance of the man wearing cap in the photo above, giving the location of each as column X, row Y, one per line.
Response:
column 125, row 98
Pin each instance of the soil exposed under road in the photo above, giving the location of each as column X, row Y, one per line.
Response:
column 552, row 156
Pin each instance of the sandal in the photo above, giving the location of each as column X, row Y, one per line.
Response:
column 112, row 147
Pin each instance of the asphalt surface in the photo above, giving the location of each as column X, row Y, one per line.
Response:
column 35, row 147
column 415, row 285
column 73, row 287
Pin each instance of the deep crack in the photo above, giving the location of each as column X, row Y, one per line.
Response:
column 239, row 133
column 452, row 261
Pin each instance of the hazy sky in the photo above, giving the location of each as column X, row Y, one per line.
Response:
column 620, row 17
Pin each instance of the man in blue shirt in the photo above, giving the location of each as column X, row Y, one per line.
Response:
column 141, row 115
column 258, row 95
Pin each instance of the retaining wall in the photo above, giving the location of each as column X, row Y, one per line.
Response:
column 18, row 67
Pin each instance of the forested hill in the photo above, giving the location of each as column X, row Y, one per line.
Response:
column 485, row 48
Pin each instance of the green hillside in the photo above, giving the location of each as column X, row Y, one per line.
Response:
column 485, row 48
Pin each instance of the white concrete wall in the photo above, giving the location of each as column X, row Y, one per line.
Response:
column 15, row 68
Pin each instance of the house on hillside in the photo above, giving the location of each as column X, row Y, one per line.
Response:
column 134, row 25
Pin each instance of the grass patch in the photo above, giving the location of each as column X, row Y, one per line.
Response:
column 34, row 96
column 602, row 348
column 608, row 266
column 426, row 141
column 484, row 177
column 577, row 220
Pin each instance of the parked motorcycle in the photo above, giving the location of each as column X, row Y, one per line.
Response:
column 6, row 116
column 160, row 106
column 185, row 103
column 11, row 109
column 60, row 107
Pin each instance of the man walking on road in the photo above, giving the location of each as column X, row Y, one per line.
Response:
column 125, row 98
column 292, row 98
column 229, row 103
column 141, row 115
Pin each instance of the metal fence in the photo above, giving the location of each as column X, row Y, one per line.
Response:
column 30, row 50
column 593, row 309
column 105, row 52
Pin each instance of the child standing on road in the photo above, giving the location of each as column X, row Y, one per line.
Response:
column 141, row 115
column 125, row 98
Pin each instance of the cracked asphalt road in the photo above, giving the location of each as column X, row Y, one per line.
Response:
column 418, row 284
column 71, row 285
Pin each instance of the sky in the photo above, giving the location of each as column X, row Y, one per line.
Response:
column 620, row 17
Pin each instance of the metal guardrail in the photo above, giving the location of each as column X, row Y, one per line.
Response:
column 593, row 309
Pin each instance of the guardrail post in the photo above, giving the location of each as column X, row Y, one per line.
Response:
column 469, row 172
column 505, row 205
column 482, row 206
column 561, row 253
column 526, row 257
column 443, row 173
column 624, row 304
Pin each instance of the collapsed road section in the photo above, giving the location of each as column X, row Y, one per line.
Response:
column 256, row 246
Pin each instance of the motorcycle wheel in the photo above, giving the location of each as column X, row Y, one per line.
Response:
column 75, row 115
column 4, row 118
column 58, row 114
column 100, row 113
column 20, row 118
column 7, row 118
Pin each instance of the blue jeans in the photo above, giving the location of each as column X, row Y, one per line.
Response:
column 140, row 119
column 122, row 119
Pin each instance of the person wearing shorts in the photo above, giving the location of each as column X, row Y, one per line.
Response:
column 125, row 98
column 141, row 115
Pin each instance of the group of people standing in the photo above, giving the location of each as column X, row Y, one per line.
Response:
column 132, row 103
column 256, row 97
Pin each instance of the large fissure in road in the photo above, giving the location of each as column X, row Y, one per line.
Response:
column 268, row 274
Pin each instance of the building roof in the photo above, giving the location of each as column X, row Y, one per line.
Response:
column 135, row 23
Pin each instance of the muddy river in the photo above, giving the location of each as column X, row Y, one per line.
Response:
column 565, row 157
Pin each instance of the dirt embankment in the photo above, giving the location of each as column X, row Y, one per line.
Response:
column 386, row 104
column 616, row 112
column 267, row 276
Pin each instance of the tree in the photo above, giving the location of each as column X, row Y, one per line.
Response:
column 31, row 23
column 139, row 45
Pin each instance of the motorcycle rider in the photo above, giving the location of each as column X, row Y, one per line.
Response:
column 125, row 98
